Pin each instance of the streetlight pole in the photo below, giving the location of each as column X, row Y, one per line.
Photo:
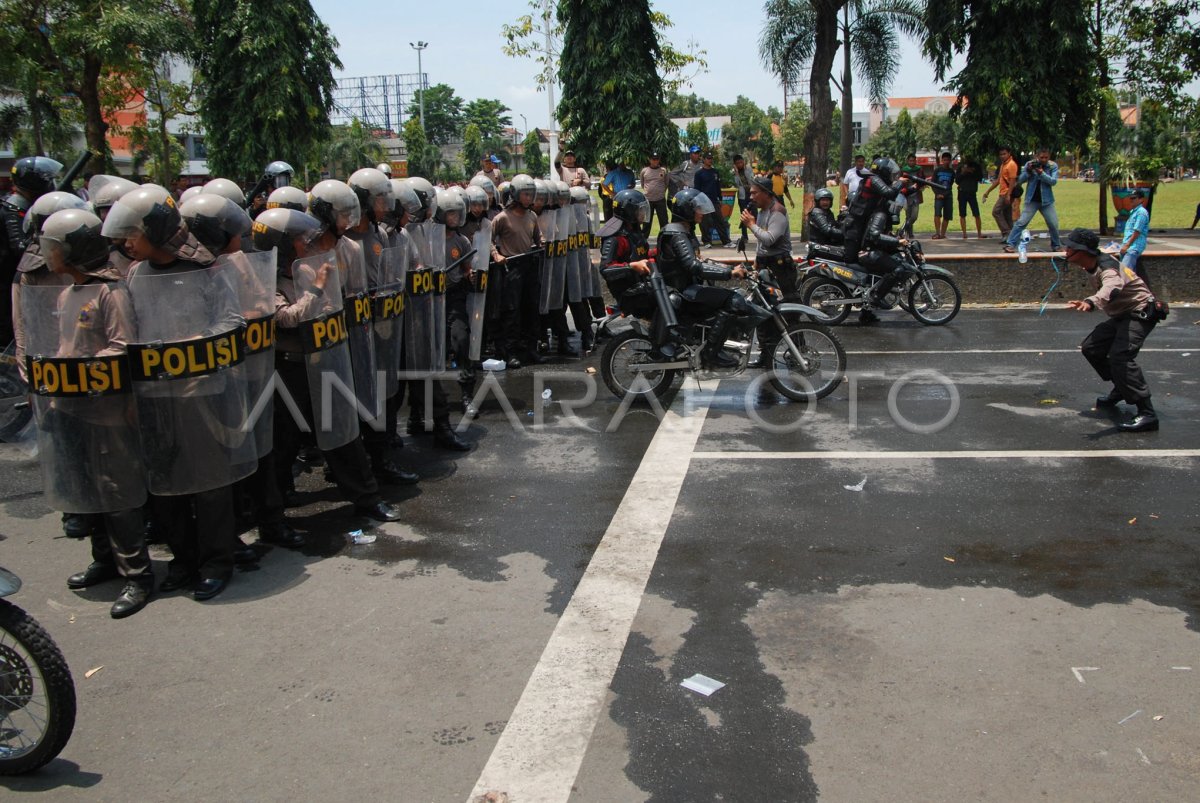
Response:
column 525, row 123
column 419, row 46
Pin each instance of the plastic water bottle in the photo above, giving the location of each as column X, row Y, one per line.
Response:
column 1023, row 247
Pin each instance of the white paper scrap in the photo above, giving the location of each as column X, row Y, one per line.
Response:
column 702, row 684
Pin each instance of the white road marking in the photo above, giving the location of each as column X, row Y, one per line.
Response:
column 965, row 454
column 539, row 754
column 1075, row 670
column 1005, row 351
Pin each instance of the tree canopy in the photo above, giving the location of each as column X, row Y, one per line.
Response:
column 443, row 110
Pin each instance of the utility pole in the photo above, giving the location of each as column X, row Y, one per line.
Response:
column 551, row 55
column 419, row 46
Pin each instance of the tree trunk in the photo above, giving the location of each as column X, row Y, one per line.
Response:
column 94, row 127
column 816, row 137
column 847, row 97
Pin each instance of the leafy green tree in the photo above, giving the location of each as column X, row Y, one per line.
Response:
column 790, row 144
column 1162, row 49
column 422, row 156
column 907, row 139
column 489, row 116
column 73, row 51
column 443, row 113
column 267, row 72
column 677, row 105
column 937, row 132
column 352, row 147
column 166, row 99
column 472, row 148
column 612, row 106
column 748, row 132
column 697, row 134
column 535, row 160
column 1046, row 100
column 867, row 33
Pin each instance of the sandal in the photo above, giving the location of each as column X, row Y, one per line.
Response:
column 1008, row 249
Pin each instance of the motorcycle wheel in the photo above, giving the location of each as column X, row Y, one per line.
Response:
column 828, row 290
column 806, row 286
column 825, row 355
column 621, row 354
column 934, row 300
column 37, row 694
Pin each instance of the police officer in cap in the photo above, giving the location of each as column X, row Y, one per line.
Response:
column 518, row 245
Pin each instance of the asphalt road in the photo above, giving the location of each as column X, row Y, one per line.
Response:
column 958, row 585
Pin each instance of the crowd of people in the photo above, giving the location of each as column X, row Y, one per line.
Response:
column 184, row 353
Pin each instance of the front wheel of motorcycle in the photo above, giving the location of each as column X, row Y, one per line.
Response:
column 619, row 368
column 37, row 694
column 819, row 371
column 823, row 295
column 934, row 300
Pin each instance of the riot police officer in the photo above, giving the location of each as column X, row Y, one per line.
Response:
column 88, row 442
column 825, row 235
column 518, row 244
column 32, row 177
column 882, row 185
column 105, row 190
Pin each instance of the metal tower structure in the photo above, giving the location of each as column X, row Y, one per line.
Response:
column 798, row 89
column 378, row 101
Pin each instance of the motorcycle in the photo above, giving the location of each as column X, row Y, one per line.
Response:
column 15, row 413
column 807, row 362
column 37, row 694
column 928, row 293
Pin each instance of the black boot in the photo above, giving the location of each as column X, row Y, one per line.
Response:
column 1111, row 400
column 444, row 437
column 1144, row 420
column 133, row 597
column 713, row 355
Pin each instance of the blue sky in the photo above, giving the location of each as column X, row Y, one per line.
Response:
column 464, row 49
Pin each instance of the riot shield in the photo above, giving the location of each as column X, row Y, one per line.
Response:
column 80, row 387
column 577, row 256
column 477, row 291
column 551, row 281
column 565, row 230
column 253, row 276
column 389, row 314
column 325, row 341
column 356, row 302
column 425, row 307
column 186, row 361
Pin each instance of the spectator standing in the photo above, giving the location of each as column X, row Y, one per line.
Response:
column 779, row 184
column 967, row 178
column 618, row 178
column 1006, row 180
column 708, row 181
column 654, row 187
column 851, row 180
column 743, row 180
column 684, row 176
column 489, row 167
column 943, row 199
column 1039, row 177
column 914, row 196
column 573, row 174
column 1137, row 227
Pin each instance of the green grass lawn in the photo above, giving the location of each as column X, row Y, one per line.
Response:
column 1077, row 203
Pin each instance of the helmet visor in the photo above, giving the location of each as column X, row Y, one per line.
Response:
column 704, row 204
column 122, row 222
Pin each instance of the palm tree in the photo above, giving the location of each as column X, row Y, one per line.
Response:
column 353, row 146
column 799, row 30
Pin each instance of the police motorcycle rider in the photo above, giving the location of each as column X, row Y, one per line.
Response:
column 297, row 236
column 518, row 243
column 32, row 177
column 192, row 443
column 878, row 188
column 444, row 435
column 377, row 201
column 621, row 238
column 825, row 236
column 684, row 271
column 87, row 436
column 878, row 257
column 221, row 225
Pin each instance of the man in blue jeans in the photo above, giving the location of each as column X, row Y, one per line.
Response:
column 1039, row 177
column 1136, row 229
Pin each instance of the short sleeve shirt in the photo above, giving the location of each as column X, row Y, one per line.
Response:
column 1139, row 221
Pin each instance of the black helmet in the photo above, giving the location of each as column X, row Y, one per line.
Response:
column 374, row 191
column 886, row 169
column 73, row 236
column 288, row 198
column 47, row 205
column 279, row 228
column 35, row 174
column 451, row 209
column 148, row 210
column 214, row 220
column 523, row 189
column 278, row 174
column 631, row 206
column 335, row 205
column 688, row 201
column 823, row 194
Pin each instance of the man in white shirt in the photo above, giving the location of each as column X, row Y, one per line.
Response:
column 851, row 180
